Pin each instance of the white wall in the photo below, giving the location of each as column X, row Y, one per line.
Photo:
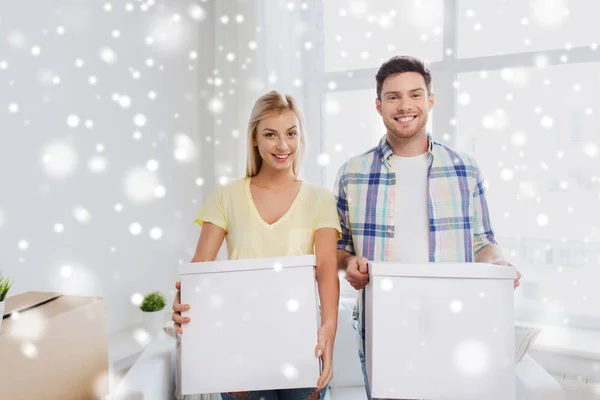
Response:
column 45, row 171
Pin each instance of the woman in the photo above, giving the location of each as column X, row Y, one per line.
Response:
column 270, row 213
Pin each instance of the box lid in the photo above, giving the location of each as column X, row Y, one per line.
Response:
column 210, row 267
column 26, row 301
column 442, row 270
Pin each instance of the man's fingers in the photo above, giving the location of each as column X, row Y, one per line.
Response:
column 363, row 266
column 178, row 285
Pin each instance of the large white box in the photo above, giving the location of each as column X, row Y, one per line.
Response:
column 253, row 326
column 440, row 331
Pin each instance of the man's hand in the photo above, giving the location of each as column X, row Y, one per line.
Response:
column 503, row 262
column 357, row 272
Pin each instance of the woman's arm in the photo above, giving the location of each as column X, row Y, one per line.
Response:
column 329, row 295
column 209, row 243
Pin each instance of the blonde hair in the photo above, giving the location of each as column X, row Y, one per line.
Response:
column 272, row 102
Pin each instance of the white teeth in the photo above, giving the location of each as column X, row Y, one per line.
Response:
column 280, row 157
column 405, row 119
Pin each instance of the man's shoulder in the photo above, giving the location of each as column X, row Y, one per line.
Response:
column 360, row 163
column 452, row 156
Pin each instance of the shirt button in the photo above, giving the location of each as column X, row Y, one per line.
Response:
column 390, row 230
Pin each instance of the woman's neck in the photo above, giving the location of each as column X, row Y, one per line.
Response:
column 273, row 178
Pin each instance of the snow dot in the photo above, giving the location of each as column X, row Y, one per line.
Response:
column 223, row 180
column 139, row 185
column 386, row 284
column 3, row 65
column 471, row 358
column 542, row 219
column 23, row 245
column 58, row 159
column 29, row 350
column 159, row 191
column 139, row 120
column 115, row 33
column 58, row 227
column 488, row 121
column 518, row 139
column 13, row 108
column 152, row 165
column 81, row 214
column 289, row 371
column 277, row 266
column 308, row 45
column 588, row 111
column 230, row 57
column 239, row 18
column 564, row 185
column 107, row 55
column 464, row 99
column 35, row 51
column 196, row 12
column 156, row 233
column 252, row 45
column 199, row 181
column 456, row 306
column 97, row 164
column 124, row 101
column 549, row 13
column 135, row 228
column 215, row 105
column 118, row 207
column 73, row 121
column 66, row 271
column 292, row 305
column 224, row 19
column 323, row 159
column 547, row 122
column 193, row 55
column 141, row 336
column 507, row 174
column 92, row 80
column 590, row 149
column 56, row 80
column 185, row 149
column 297, row 82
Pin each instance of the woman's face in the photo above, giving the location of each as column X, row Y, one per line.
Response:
column 278, row 140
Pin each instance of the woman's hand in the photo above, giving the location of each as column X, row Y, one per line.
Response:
column 178, row 308
column 324, row 349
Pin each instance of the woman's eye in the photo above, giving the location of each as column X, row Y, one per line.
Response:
column 293, row 133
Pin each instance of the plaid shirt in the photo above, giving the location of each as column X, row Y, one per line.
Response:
column 365, row 190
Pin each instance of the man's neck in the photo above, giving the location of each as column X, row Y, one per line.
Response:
column 409, row 147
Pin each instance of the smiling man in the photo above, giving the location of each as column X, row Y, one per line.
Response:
column 409, row 199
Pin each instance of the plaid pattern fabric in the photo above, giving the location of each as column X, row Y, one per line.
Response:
column 365, row 190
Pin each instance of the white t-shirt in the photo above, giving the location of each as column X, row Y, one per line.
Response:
column 411, row 239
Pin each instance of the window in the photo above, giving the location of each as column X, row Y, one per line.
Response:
column 516, row 85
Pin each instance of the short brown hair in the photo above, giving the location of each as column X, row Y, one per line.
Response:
column 398, row 65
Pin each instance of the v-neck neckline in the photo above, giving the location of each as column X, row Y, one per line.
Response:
column 284, row 216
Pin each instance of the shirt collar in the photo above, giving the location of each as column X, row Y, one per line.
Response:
column 385, row 151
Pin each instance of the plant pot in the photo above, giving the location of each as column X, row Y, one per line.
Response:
column 2, row 306
column 153, row 321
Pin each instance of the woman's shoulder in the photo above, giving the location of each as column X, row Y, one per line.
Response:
column 231, row 188
column 316, row 192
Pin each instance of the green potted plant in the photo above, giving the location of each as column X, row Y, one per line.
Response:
column 153, row 314
column 5, row 285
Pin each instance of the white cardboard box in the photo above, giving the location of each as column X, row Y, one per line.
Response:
column 440, row 331
column 253, row 326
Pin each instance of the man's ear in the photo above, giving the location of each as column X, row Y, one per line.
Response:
column 378, row 105
column 431, row 100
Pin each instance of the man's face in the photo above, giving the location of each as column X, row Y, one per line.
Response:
column 405, row 104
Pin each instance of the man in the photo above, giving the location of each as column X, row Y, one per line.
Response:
column 410, row 199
